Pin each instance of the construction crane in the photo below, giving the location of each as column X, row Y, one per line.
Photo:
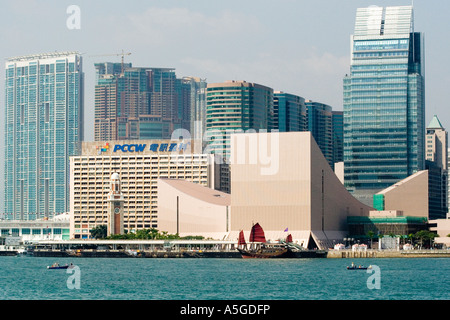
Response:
column 123, row 54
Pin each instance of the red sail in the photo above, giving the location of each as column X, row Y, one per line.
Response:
column 289, row 238
column 241, row 239
column 257, row 234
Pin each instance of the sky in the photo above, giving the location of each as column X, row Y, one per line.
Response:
column 296, row 46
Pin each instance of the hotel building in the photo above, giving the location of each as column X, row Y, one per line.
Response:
column 139, row 164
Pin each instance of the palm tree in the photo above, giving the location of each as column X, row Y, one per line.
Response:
column 424, row 235
column 371, row 234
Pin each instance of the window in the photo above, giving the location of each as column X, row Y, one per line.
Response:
column 47, row 112
column 22, row 114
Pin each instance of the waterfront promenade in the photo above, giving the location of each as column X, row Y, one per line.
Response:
column 385, row 253
column 189, row 249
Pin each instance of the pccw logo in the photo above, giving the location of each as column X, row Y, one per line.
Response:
column 101, row 149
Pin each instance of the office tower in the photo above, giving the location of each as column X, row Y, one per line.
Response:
column 436, row 164
column 384, row 102
column 235, row 105
column 43, row 128
column 137, row 102
column 320, row 123
column 338, row 136
column 448, row 182
column 289, row 112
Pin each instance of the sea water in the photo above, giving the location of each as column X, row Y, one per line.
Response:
column 27, row 278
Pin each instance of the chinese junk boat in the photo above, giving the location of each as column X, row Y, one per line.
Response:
column 259, row 248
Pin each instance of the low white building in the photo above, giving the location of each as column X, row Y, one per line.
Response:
column 57, row 228
column 442, row 228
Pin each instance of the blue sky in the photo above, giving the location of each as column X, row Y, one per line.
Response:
column 297, row 46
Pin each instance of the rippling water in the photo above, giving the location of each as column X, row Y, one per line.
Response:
column 27, row 278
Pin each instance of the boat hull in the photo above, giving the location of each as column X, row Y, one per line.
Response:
column 264, row 254
column 60, row 267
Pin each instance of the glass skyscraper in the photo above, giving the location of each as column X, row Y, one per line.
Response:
column 43, row 128
column 289, row 112
column 233, row 106
column 384, row 102
column 320, row 124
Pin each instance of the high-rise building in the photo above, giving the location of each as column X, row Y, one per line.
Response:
column 436, row 164
column 338, row 136
column 139, row 103
column 197, row 106
column 289, row 112
column 107, row 104
column 384, row 102
column 320, row 124
column 235, row 105
column 43, row 129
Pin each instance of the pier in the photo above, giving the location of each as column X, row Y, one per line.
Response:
column 135, row 249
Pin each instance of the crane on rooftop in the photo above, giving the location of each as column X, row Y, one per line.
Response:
column 123, row 54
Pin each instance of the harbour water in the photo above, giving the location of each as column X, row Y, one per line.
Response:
column 27, row 278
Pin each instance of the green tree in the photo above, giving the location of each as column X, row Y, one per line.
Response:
column 371, row 235
column 425, row 235
column 99, row 232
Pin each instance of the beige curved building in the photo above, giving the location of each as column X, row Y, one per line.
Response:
column 191, row 209
column 283, row 181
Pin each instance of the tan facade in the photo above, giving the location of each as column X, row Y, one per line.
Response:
column 139, row 164
column 409, row 195
column 282, row 180
column 442, row 229
column 191, row 209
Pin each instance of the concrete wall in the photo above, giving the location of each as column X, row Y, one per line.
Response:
column 277, row 198
column 199, row 214
column 409, row 195
column 292, row 187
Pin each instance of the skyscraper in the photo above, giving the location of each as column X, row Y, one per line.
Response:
column 320, row 123
column 289, row 112
column 384, row 102
column 43, row 128
column 235, row 105
column 198, row 106
column 338, row 136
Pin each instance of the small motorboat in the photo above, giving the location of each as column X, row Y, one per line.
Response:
column 57, row 266
column 355, row 267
